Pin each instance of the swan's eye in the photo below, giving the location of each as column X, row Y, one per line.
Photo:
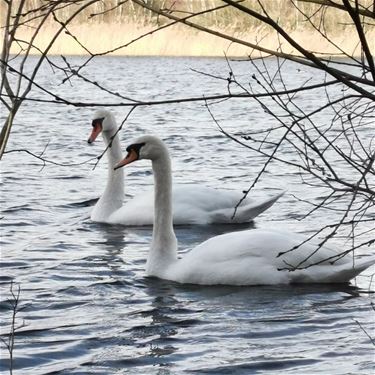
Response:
column 135, row 147
column 97, row 121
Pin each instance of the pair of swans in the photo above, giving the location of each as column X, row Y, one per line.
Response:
column 248, row 257
column 192, row 204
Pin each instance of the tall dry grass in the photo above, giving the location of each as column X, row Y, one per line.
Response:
column 117, row 11
column 103, row 27
column 175, row 41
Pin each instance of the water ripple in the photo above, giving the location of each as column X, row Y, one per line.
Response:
column 86, row 305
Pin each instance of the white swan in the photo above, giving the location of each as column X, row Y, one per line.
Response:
column 192, row 204
column 238, row 258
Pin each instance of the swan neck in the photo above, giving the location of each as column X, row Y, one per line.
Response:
column 113, row 195
column 114, row 153
column 164, row 243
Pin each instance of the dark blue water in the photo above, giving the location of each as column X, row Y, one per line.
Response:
column 87, row 307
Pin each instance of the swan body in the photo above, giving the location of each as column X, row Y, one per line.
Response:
column 248, row 257
column 251, row 258
column 192, row 204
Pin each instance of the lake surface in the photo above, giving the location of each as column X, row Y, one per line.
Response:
column 87, row 307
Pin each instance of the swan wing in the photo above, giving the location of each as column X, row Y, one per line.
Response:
column 194, row 204
column 245, row 212
column 251, row 258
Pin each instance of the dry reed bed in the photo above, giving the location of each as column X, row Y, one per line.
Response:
column 176, row 41
column 100, row 32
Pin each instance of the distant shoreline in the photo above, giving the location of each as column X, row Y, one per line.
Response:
column 177, row 41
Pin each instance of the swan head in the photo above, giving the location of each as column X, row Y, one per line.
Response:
column 146, row 147
column 102, row 121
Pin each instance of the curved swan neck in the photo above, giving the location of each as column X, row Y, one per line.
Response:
column 164, row 244
column 114, row 153
column 163, row 221
column 113, row 195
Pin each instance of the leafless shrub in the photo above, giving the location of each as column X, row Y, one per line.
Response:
column 8, row 340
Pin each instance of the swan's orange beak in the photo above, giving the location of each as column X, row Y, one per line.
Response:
column 130, row 157
column 96, row 130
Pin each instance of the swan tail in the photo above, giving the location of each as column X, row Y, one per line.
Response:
column 250, row 211
column 351, row 272
column 327, row 274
